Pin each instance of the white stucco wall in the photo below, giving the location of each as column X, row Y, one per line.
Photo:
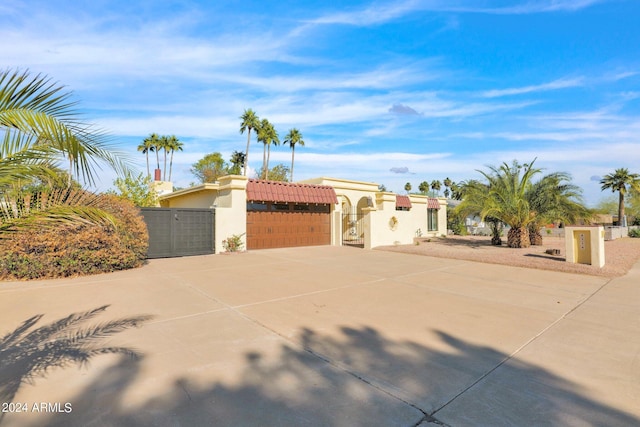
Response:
column 387, row 226
column 378, row 230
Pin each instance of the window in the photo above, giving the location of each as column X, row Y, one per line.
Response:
column 402, row 208
column 255, row 206
column 301, row 207
column 432, row 219
column 321, row 208
column 280, row 207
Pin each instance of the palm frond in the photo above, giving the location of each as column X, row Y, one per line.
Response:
column 39, row 112
column 51, row 208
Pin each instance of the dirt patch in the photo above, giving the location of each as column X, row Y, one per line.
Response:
column 620, row 254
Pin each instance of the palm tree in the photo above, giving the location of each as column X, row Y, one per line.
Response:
column 237, row 160
column 447, row 183
column 424, row 187
column 456, row 193
column 145, row 148
column 621, row 181
column 39, row 126
column 155, row 142
column 506, row 199
column 475, row 198
column 267, row 135
column 436, row 186
column 249, row 121
column 50, row 207
column 554, row 199
column 164, row 145
column 407, row 187
column 174, row 145
column 293, row 138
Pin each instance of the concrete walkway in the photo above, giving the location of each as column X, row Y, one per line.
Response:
column 324, row 336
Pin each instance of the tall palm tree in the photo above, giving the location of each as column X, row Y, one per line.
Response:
column 436, row 186
column 145, row 148
column 249, row 121
column 268, row 135
column 174, row 145
column 164, row 145
column 621, row 181
column 156, row 144
column 554, row 199
column 293, row 138
column 275, row 140
column 39, row 126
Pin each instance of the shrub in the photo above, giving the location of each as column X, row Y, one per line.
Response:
column 634, row 232
column 73, row 250
column 233, row 243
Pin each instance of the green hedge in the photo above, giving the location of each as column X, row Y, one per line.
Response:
column 75, row 250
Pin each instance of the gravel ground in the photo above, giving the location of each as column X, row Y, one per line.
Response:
column 620, row 254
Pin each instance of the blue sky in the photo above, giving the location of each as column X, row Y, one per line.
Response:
column 387, row 92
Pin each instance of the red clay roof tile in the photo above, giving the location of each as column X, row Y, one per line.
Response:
column 433, row 203
column 275, row 191
column 403, row 201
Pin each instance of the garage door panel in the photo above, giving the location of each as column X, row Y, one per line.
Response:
column 287, row 229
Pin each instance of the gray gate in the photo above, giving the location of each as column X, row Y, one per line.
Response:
column 175, row 232
column 353, row 229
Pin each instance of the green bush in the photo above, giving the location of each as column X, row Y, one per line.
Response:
column 634, row 232
column 75, row 250
column 233, row 243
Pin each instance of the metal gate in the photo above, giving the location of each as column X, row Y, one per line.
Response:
column 175, row 232
column 353, row 229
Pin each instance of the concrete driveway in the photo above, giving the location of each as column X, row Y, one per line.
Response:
column 322, row 336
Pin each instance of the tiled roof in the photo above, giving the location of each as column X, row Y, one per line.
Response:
column 433, row 203
column 403, row 201
column 276, row 191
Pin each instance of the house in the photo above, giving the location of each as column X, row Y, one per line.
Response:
column 320, row 211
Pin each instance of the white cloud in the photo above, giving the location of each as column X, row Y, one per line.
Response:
column 554, row 85
column 371, row 15
column 380, row 13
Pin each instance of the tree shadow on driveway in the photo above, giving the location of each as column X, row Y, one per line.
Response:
column 354, row 377
column 28, row 352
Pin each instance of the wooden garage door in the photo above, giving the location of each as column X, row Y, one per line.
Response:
column 282, row 229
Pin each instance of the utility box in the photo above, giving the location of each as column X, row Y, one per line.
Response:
column 585, row 245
